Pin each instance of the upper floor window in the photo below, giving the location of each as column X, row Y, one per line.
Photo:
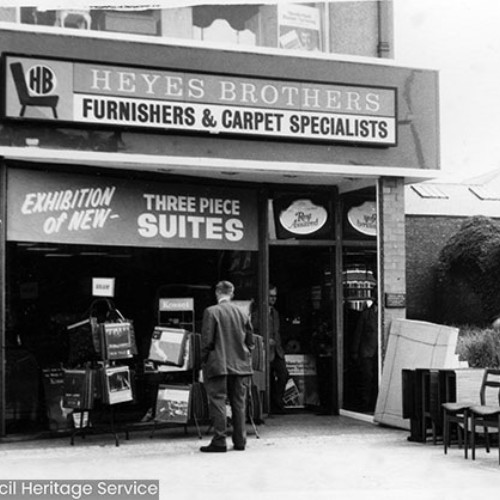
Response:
column 356, row 28
column 291, row 26
column 233, row 24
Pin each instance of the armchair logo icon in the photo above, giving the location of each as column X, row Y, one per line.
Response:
column 35, row 87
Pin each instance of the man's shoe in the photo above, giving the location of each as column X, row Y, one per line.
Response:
column 213, row 449
column 239, row 447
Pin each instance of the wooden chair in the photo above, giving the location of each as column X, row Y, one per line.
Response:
column 486, row 415
column 457, row 412
column 25, row 98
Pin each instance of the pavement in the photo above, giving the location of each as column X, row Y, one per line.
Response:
column 298, row 456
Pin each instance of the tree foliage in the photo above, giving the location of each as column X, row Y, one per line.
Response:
column 469, row 273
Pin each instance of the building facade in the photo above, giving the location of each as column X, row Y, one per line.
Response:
column 159, row 166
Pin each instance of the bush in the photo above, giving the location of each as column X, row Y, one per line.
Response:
column 468, row 274
column 480, row 347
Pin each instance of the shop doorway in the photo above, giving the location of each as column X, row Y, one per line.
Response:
column 361, row 332
column 304, row 278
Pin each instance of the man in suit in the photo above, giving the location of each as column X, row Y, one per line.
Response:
column 226, row 344
column 277, row 364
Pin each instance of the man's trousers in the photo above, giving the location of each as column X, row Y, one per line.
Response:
column 234, row 388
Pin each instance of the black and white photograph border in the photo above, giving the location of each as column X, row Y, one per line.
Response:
column 299, row 455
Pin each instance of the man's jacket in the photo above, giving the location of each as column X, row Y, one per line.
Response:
column 226, row 341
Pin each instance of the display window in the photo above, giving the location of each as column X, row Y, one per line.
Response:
column 50, row 287
column 360, row 301
column 113, row 259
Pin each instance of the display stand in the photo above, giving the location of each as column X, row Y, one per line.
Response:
column 111, row 342
column 178, row 403
column 84, row 430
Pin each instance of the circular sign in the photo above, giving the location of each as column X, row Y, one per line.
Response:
column 364, row 218
column 303, row 217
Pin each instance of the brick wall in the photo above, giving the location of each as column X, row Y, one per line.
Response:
column 392, row 247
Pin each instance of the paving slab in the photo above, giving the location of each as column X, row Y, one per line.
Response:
column 297, row 456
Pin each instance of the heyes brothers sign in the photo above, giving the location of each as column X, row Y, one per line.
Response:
column 198, row 102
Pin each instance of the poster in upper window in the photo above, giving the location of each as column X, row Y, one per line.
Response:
column 299, row 27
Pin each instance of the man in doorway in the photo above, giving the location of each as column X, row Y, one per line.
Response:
column 226, row 344
column 277, row 365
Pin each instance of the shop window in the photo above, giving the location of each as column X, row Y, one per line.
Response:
column 50, row 286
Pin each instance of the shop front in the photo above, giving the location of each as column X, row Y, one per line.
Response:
column 141, row 186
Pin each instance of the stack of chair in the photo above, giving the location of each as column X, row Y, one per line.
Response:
column 471, row 416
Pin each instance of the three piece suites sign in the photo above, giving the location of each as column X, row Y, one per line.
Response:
column 71, row 208
column 104, row 95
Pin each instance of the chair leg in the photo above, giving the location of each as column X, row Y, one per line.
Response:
column 466, row 433
column 460, row 436
column 23, row 109
column 498, row 437
column 446, row 432
column 473, row 436
column 423, row 428
column 498, row 423
column 486, row 439
column 55, row 112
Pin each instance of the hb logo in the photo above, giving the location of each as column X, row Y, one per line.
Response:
column 35, row 87
column 41, row 80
